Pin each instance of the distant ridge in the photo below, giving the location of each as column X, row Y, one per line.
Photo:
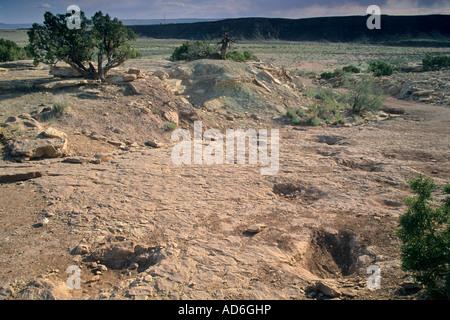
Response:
column 334, row 29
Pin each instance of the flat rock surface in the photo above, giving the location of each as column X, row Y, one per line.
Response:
column 167, row 231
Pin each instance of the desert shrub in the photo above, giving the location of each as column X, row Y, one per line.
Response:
column 381, row 68
column 363, row 96
column 351, row 69
column 289, row 113
column 249, row 56
column 170, row 126
column 425, row 238
column 241, row 56
column 313, row 121
column 295, row 119
column 59, row 108
column 339, row 72
column 236, row 56
column 330, row 75
column 435, row 63
column 193, row 50
column 10, row 51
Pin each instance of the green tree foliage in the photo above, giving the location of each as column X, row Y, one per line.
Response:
column 10, row 51
column 105, row 38
column 425, row 235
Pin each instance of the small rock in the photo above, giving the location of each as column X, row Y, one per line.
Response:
column 76, row 160
column 102, row 267
column 43, row 221
column 101, row 158
column 82, row 249
column 256, row 228
column 154, row 144
column 133, row 266
column 55, row 133
column 95, row 278
column 171, row 116
column 327, row 288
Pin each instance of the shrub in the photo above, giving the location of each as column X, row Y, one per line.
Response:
column 425, row 238
column 362, row 96
column 236, row 56
column 351, row 69
column 10, row 51
column 295, row 119
column 381, row 68
column 330, row 75
column 59, row 108
column 241, row 56
column 289, row 113
column 171, row 126
column 193, row 51
column 314, row 121
column 435, row 63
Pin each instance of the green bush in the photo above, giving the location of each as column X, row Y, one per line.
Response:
column 241, row 56
column 330, row 75
column 363, row 96
column 10, row 51
column 351, row 69
column 170, row 126
column 381, row 68
column 193, row 51
column 289, row 113
column 425, row 238
column 313, row 121
column 59, row 108
column 339, row 72
column 435, row 63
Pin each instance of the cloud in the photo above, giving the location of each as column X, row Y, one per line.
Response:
column 40, row 6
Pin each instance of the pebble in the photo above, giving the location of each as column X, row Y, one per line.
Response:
column 43, row 221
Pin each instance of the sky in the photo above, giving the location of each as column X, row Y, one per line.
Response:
column 29, row 11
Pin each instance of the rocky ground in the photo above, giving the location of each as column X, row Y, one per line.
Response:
column 95, row 187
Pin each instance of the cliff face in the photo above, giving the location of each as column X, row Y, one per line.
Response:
column 336, row 29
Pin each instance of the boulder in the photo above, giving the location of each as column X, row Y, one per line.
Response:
column 162, row 75
column 328, row 288
column 180, row 72
column 187, row 110
column 129, row 77
column 39, row 148
column 137, row 72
